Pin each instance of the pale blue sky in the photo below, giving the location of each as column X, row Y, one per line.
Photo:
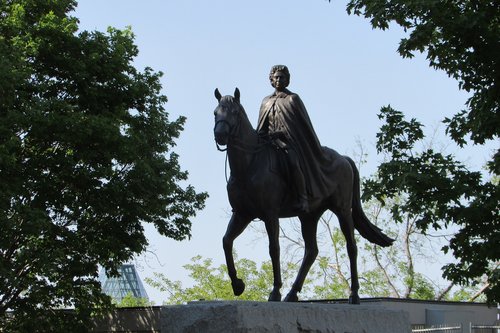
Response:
column 343, row 70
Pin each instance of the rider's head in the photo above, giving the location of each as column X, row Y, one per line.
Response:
column 279, row 70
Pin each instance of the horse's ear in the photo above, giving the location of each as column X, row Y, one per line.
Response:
column 217, row 94
column 237, row 94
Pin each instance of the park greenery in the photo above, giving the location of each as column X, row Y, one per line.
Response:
column 326, row 281
column 212, row 283
column 460, row 38
column 129, row 300
column 85, row 159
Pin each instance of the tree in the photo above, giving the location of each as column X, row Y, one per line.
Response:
column 397, row 271
column 440, row 192
column 85, row 159
column 131, row 301
column 383, row 272
column 212, row 283
column 460, row 38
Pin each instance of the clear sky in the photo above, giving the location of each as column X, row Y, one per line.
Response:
column 343, row 70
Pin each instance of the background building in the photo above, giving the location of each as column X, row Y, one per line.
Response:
column 127, row 282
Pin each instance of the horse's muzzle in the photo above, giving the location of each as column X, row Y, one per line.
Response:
column 222, row 131
column 221, row 139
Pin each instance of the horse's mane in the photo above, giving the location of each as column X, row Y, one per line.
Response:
column 230, row 102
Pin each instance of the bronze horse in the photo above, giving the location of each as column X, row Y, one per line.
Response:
column 257, row 190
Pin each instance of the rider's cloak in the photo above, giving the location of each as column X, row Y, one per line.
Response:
column 291, row 120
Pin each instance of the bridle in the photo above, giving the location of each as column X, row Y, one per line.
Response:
column 224, row 121
column 233, row 130
column 232, row 133
column 234, row 142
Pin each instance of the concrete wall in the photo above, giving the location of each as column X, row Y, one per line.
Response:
column 148, row 319
column 428, row 313
column 434, row 312
column 137, row 320
column 267, row 317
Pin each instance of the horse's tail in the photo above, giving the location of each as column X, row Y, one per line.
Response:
column 366, row 229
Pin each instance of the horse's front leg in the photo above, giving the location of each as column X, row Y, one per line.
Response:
column 235, row 227
column 272, row 228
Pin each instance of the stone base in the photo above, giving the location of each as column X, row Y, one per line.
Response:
column 256, row 317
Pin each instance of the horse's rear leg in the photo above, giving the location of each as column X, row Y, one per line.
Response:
column 347, row 227
column 235, row 227
column 309, row 227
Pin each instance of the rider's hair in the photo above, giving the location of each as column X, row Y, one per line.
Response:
column 280, row 68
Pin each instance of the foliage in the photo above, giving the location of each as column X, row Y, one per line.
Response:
column 330, row 275
column 460, row 38
column 467, row 293
column 400, row 267
column 440, row 192
column 212, row 283
column 383, row 272
column 84, row 160
column 329, row 281
column 130, row 300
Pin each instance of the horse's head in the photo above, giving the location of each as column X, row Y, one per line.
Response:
column 227, row 116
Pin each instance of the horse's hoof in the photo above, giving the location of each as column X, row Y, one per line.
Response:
column 238, row 287
column 291, row 297
column 354, row 299
column 274, row 296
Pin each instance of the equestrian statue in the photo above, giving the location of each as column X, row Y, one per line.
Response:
column 280, row 170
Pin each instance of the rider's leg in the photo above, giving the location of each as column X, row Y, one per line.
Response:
column 298, row 179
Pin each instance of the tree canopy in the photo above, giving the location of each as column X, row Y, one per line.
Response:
column 462, row 38
column 85, row 160
column 130, row 300
column 327, row 281
column 213, row 283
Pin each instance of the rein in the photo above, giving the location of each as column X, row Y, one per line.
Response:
column 260, row 147
column 251, row 149
column 236, row 143
column 242, row 146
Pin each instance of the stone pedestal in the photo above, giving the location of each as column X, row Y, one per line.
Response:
column 256, row 317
